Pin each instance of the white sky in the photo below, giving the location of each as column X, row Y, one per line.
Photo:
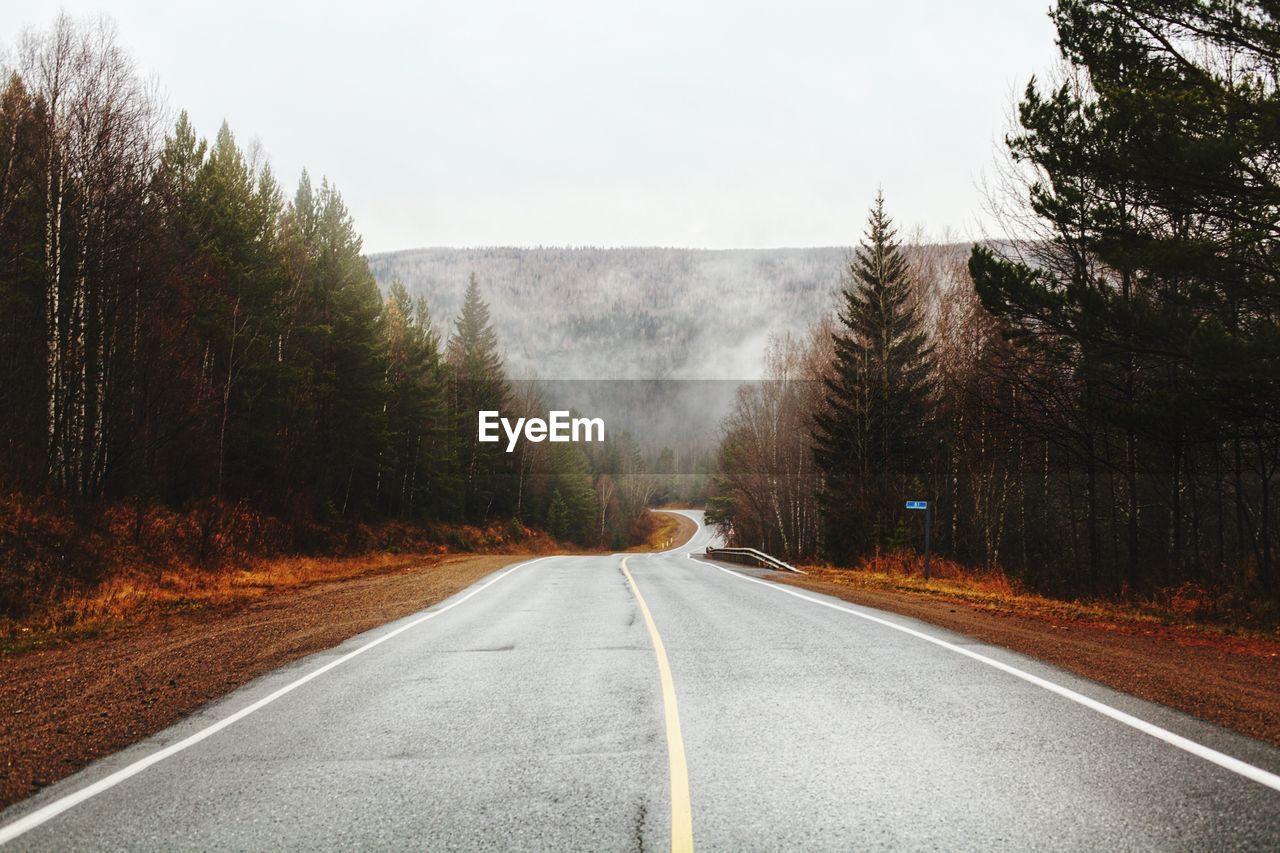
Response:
column 713, row 124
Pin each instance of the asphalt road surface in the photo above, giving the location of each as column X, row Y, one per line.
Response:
column 570, row 703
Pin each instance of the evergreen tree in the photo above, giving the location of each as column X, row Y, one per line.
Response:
column 171, row 331
column 473, row 347
column 180, row 160
column 873, row 438
column 22, row 291
column 557, row 517
column 236, row 219
column 571, row 488
column 351, row 361
column 418, row 428
column 1150, row 306
column 478, row 383
column 173, row 457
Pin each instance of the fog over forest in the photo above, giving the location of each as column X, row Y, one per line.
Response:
column 635, row 313
column 695, row 323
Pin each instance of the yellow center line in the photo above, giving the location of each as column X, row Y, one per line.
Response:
column 681, row 807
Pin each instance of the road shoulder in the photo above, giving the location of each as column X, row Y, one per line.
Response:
column 64, row 707
column 672, row 530
column 1229, row 681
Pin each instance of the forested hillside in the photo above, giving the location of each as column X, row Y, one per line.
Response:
column 633, row 313
column 198, row 363
column 691, row 324
column 1090, row 407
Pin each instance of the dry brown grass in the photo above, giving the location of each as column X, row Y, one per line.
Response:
column 64, row 576
column 131, row 595
column 668, row 531
column 1188, row 607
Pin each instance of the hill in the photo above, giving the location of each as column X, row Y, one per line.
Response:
column 633, row 313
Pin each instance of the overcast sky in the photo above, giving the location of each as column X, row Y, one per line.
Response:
column 712, row 124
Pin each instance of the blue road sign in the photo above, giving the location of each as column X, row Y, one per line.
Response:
column 917, row 504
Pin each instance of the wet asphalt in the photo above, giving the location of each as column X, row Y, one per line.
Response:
column 526, row 713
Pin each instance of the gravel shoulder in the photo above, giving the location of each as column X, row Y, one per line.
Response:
column 62, row 708
column 673, row 531
column 1231, row 681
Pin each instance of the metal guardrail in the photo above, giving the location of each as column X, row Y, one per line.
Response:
column 751, row 557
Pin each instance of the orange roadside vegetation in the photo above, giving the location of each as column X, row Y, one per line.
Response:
column 669, row 531
column 1188, row 607
column 64, row 578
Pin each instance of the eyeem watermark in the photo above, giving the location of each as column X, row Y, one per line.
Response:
column 558, row 427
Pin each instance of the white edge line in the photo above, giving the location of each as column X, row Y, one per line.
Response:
column 1235, row 765
column 48, row 812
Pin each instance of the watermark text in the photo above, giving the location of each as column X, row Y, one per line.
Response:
column 558, row 426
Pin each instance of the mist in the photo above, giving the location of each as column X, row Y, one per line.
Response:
column 587, row 323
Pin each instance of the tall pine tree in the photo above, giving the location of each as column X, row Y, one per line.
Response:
column 873, row 437
column 478, row 384
column 236, row 213
column 352, row 360
column 416, row 473
column 1152, row 298
column 573, row 503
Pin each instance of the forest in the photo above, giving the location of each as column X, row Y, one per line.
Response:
column 1091, row 408
column 195, row 359
column 630, row 313
column 199, row 362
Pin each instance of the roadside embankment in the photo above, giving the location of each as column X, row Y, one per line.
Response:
column 65, row 706
column 670, row 530
column 67, row 572
column 1230, row 680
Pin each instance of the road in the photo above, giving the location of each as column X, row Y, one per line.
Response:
column 572, row 703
